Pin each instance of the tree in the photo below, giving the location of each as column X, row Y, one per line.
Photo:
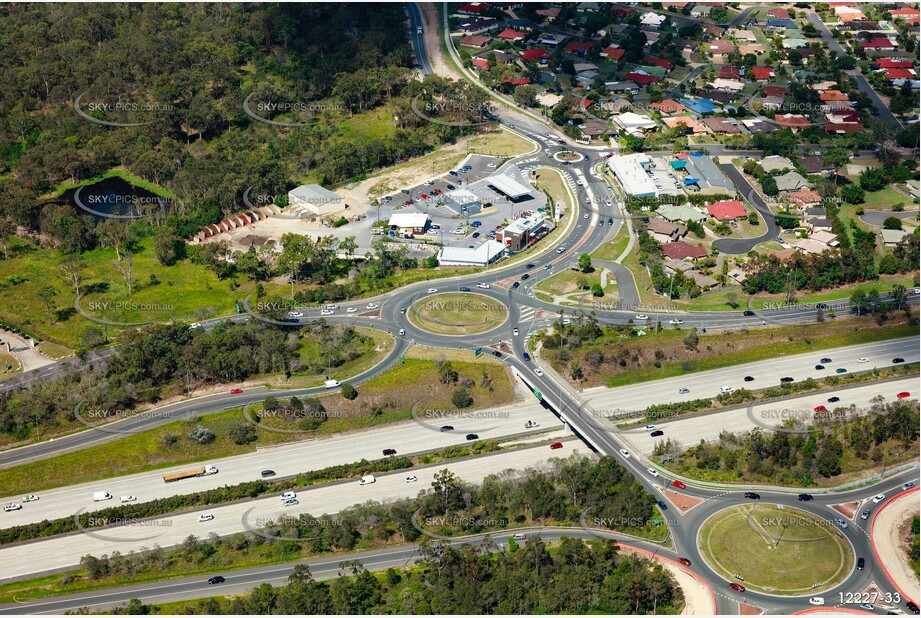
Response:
column 348, row 391
column 7, row 230
column 585, row 263
column 691, row 340
column 892, row 223
column 460, row 397
column 348, row 245
column 860, row 302
column 597, row 290
column 872, row 179
column 126, row 267
column 525, row 95
column 71, row 271
column 769, row 186
column 852, row 194
column 168, row 246
column 46, row 294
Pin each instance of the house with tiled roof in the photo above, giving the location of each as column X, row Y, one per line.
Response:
column 842, row 129
column 480, row 63
column 893, row 63
column 900, row 73
column 512, row 35
column 791, row 181
column 660, row 62
column 779, row 13
column 843, row 117
column 665, row 231
column 727, row 210
column 536, row 54
column 722, row 125
column 879, row 43
column 691, row 125
column 668, row 106
column 752, row 48
column 681, row 250
column 792, row 121
column 774, row 91
column 578, row 47
column 805, row 198
column 728, row 71
column 742, row 35
column 720, row 48
column 473, row 8
column 814, row 164
column 641, row 78
column 762, row 74
column 833, row 95
column 474, row 40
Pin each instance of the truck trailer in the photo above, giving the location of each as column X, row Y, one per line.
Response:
column 188, row 474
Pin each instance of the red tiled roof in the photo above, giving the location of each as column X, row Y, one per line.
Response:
column 641, row 78
column 660, row 62
column 475, row 41
column 535, row 54
column 779, row 13
column 668, row 106
column 521, row 81
column 681, row 250
column 614, row 53
column 833, row 95
column 762, row 72
column 889, row 63
column 905, row 11
column 575, row 47
column 511, row 35
column 473, row 7
column 791, row 120
column 730, row 209
column 774, row 91
column 721, row 47
column 878, row 43
column 843, row 128
column 899, row 74
column 481, row 63
column 728, row 71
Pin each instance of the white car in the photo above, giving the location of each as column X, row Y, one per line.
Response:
column 676, row 322
column 296, row 314
column 652, row 471
column 566, row 321
column 483, row 286
column 205, row 517
column 539, row 371
column 530, row 424
column 641, row 316
column 817, row 601
column 725, row 389
column 585, row 216
column 373, row 306
column 625, row 453
column 12, row 506
column 290, row 502
column 411, row 479
column 288, row 495
column 351, row 310
column 683, row 391
column 580, row 183
column 878, row 498
column 431, row 290
column 195, row 325
column 458, row 232
column 326, row 311
column 863, row 359
column 907, row 485
column 126, row 499
column 30, row 498
column 649, row 427
column 515, row 331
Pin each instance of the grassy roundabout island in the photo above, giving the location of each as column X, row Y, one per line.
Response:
column 777, row 550
column 457, row 313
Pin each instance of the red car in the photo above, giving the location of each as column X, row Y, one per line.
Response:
column 679, row 484
column 408, row 202
column 737, row 587
column 236, row 391
column 819, row 409
column 556, row 445
column 424, row 196
column 437, row 191
column 684, row 561
column 903, row 395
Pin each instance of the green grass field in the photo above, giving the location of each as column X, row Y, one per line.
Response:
column 612, row 249
column 457, row 313
column 744, row 540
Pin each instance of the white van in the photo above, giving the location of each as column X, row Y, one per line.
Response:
column 367, row 479
column 332, row 383
column 100, row 496
column 402, row 332
column 288, row 495
column 332, row 307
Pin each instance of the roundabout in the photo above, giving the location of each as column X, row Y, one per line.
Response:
column 775, row 549
column 457, row 314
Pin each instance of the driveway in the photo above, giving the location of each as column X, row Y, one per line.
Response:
column 876, row 217
column 626, row 285
column 739, row 246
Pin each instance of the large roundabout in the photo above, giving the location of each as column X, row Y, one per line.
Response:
column 457, row 313
column 776, row 549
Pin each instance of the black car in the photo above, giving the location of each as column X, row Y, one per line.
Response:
column 525, row 276
column 819, row 367
column 805, row 498
column 786, row 379
column 898, row 359
column 266, row 473
column 472, row 436
column 749, row 379
column 464, row 289
column 390, row 451
column 530, row 265
column 447, row 428
column 825, row 360
column 834, row 399
column 661, row 504
column 657, row 433
column 912, row 607
column 610, row 221
column 450, row 187
column 860, row 564
column 475, row 235
column 497, row 353
column 217, row 579
column 516, row 284
column 748, row 312
column 752, row 495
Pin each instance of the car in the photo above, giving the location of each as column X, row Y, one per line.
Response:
column 445, row 428
column 675, row 322
column 903, row 395
column 288, row 495
column 194, row 325
column 641, row 316
column 290, row 502
column 652, row 471
column 907, row 486
column 865, row 514
column 600, row 222
column 128, row 498
column 463, row 289
column 683, row 391
column 816, row 601
column 30, row 498
column 538, row 371
column 737, row 587
column 472, row 436
column 236, row 391
column 825, row 360
column 878, row 498
column 649, row 427
column 519, row 536
column 266, row 473
column 898, row 359
column 205, row 517
column 437, row 192
column 403, row 310
column 840, row 523
column 475, row 235
column 725, row 389
column 492, row 166
column 326, row 312
column 497, row 353
column 657, row 433
column 625, row 453
column 610, row 221
column 408, row 202
column 786, row 379
column 749, row 379
column 863, row 359
column 530, row 265
column 752, row 495
column 684, row 561
column 867, row 606
column 566, row 321
column 483, row 286
column 516, row 284
column 419, row 30
column 351, row 310
column 530, row 424
column 452, row 173
column 819, row 409
column 411, row 479
column 372, row 306
column 526, row 357
column 805, row 498
column 661, row 504
column 679, row 484
column 912, row 606
column 217, row 579
column 556, row 445
column 819, row 367
column 296, row 314
column 12, row 506
column 390, row 451
column 431, row 290
column 515, row 331
column 525, row 277
column 548, row 266
column 748, row 313
column 458, row 232
column 834, row 399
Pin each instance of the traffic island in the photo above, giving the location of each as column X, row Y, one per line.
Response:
column 776, row 549
column 457, row 314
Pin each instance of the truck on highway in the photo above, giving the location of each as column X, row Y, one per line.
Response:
column 366, row 479
column 188, row 474
column 99, row 496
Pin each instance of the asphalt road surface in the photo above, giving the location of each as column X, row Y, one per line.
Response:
column 740, row 246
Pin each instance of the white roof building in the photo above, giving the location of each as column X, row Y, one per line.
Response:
column 634, row 124
column 409, row 220
column 731, row 85
column 630, row 171
column 315, row 199
column 507, row 186
column 652, row 20
column 487, row 253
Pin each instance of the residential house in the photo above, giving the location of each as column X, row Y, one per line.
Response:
column 690, row 124
column 892, row 237
column 634, row 124
column 668, row 106
column 818, row 224
column 790, row 182
column 665, row 231
column 550, row 39
column 775, row 25
column 702, row 281
column 722, row 125
column 814, row 164
column 578, row 47
column 478, row 25
column 475, row 40
column 794, row 122
column 779, row 13
column 644, row 79
column 825, row 237
column 773, row 103
column 612, row 53
column 594, row 128
column 762, row 74
column 728, row 71
column 892, row 63
column 752, row 48
column 535, row 54
column 501, row 57
column 776, row 163
column 512, row 35
column 727, row 85
column 742, row 35
column 548, row 99
column 582, row 67
column 473, row 8
column 805, row 199
column 879, row 44
column 720, row 49
column 727, row 210
column 683, row 251
column 677, row 266
column 701, row 10
column 652, row 20
column 680, row 213
column 774, row 91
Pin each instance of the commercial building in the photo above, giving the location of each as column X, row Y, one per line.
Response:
column 314, row 199
column 411, row 223
column 525, row 231
column 508, row 187
column 483, row 255
column 463, row 201
column 632, row 171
